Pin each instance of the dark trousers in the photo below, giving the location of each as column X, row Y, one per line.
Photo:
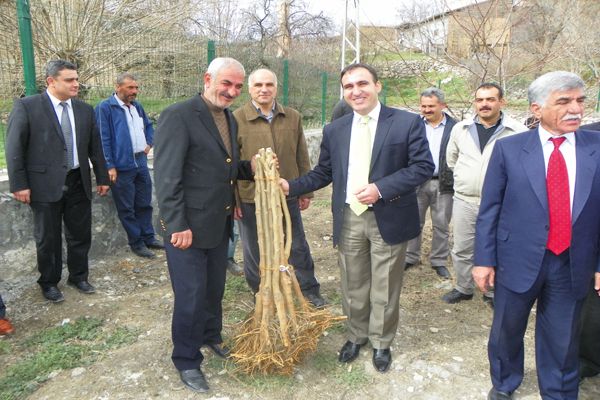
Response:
column 589, row 346
column 556, row 332
column 300, row 257
column 75, row 211
column 2, row 309
column 198, row 280
column 132, row 194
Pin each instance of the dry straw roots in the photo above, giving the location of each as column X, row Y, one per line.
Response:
column 284, row 327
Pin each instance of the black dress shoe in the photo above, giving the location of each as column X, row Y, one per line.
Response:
column 497, row 395
column 489, row 301
column 454, row 296
column 382, row 359
column 143, row 251
column 315, row 299
column 82, row 286
column 155, row 244
column 194, row 379
column 441, row 271
column 586, row 371
column 53, row 294
column 349, row 352
column 219, row 349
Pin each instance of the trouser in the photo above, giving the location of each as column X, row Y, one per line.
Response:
column 233, row 241
column 74, row 209
column 557, row 330
column 589, row 345
column 198, row 281
column 2, row 309
column 371, row 273
column 464, row 216
column 132, row 194
column 440, row 204
column 300, row 257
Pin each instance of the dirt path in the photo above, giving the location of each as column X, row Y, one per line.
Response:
column 439, row 351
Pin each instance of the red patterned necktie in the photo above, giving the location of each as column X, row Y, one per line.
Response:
column 557, row 185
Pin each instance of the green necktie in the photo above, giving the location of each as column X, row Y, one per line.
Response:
column 362, row 160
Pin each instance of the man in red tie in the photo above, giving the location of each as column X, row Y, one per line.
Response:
column 537, row 238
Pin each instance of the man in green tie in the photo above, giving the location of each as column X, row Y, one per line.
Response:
column 375, row 157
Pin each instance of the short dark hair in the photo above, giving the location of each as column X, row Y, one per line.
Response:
column 54, row 67
column 490, row 85
column 360, row 65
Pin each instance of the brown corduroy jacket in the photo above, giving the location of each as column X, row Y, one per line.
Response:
column 284, row 135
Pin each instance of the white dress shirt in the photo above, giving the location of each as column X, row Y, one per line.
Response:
column 567, row 149
column 135, row 123
column 58, row 109
column 374, row 117
column 434, row 137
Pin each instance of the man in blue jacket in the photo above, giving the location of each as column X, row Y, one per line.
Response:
column 126, row 139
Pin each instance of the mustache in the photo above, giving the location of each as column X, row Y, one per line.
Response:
column 570, row 117
column 485, row 108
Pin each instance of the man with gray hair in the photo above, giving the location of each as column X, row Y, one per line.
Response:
column 263, row 122
column 127, row 136
column 537, row 239
column 436, row 193
column 196, row 168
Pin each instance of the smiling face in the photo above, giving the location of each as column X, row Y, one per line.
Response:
column 562, row 111
column 432, row 109
column 361, row 92
column 65, row 85
column 263, row 88
column 222, row 90
column 488, row 104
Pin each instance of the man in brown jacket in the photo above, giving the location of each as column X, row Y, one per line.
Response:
column 262, row 123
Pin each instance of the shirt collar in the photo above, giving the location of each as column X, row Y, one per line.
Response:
column 545, row 136
column 55, row 101
column 476, row 120
column 373, row 114
column 443, row 123
column 260, row 113
column 121, row 102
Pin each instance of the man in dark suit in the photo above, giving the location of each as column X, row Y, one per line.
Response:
column 195, row 171
column 436, row 193
column 375, row 157
column 50, row 138
column 537, row 238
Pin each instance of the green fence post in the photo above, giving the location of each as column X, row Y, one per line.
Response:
column 286, row 81
column 24, row 17
column 598, row 102
column 210, row 51
column 323, row 97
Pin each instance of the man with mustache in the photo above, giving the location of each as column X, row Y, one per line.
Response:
column 436, row 193
column 468, row 153
column 195, row 170
column 537, row 239
column 127, row 136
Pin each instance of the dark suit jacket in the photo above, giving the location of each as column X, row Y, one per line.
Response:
column 591, row 127
column 35, row 148
column 513, row 222
column 400, row 162
column 194, row 175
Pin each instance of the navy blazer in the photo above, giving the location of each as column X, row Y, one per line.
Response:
column 513, row 222
column 400, row 162
column 36, row 149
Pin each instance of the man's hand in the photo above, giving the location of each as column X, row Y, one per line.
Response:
column 285, row 186
column 304, row 203
column 237, row 213
column 147, row 149
column 182, row 240
column 102, row 189
column 24, row 196
column 112, row 175
column 368, row 194
column 484, row 277
column 597, row 283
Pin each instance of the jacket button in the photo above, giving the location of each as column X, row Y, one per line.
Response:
column 228, row 160
column 231, row 182
column 228, row 207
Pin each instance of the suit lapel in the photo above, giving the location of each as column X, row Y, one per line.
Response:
column 532, row 159
column 586, row 168
column 383, row 128
column 79, row 128
column 51, row 114
column 205, row 118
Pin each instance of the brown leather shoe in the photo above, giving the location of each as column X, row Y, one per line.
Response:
column 6, row 327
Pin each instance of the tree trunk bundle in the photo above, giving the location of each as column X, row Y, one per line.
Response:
column 284, row 327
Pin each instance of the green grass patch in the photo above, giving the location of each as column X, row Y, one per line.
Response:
column 321, row 203
column 266, row 382
column 348, row 375
column 58, row 348
column 235, row 286
column 5, row 347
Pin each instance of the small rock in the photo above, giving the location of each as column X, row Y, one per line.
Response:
column 410, row 389
column 418, row 377
column 106, row 278
column 434, row 329
column 447, row 310
column 65, row 322
column 53, row 374
column 77, row 372
column 326, row 237
column 331, row 278
column 458, row 359
column 300, row 377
